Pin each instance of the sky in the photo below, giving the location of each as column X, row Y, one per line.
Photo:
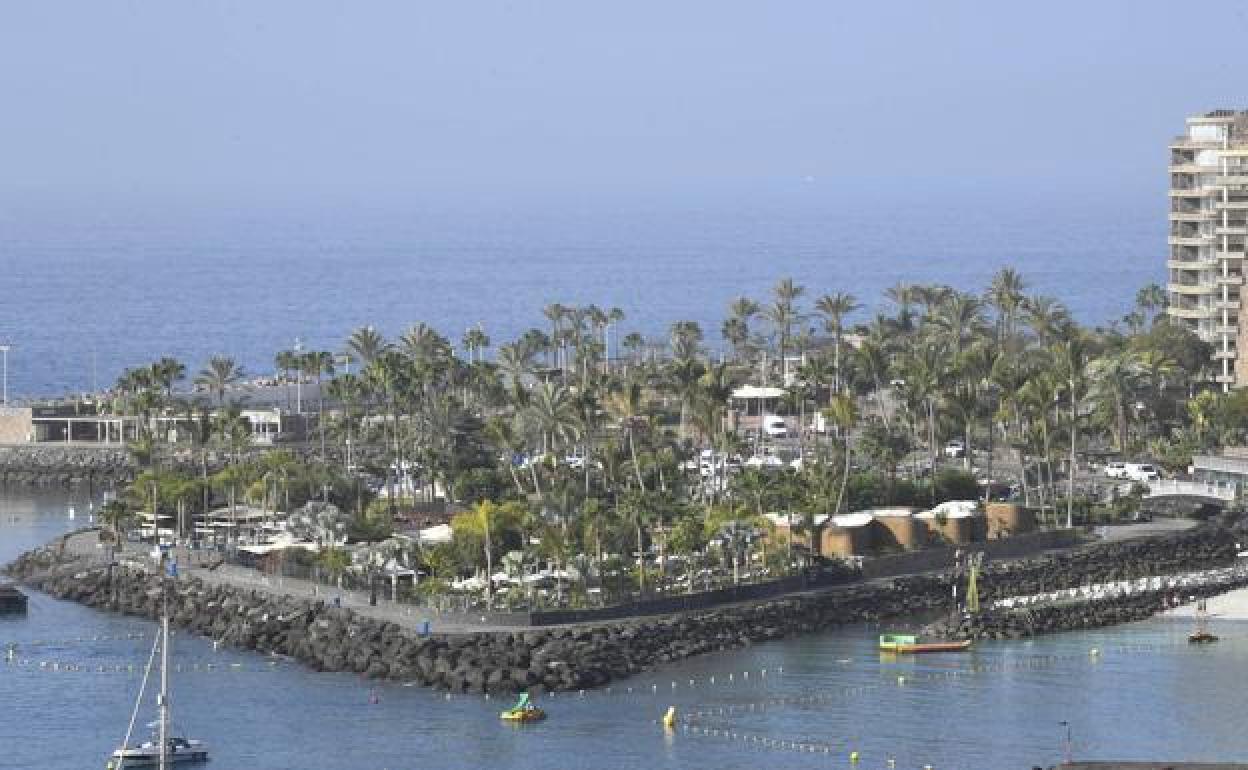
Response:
column 153, row 103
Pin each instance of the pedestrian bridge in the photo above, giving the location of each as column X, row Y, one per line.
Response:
column 1198, row 491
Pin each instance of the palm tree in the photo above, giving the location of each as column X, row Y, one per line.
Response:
column 835, row 308
column 960, row 317
column 614, row 316
column 475, row 341
column 1072, row 361
column 1046, row 316
column 117, row 517
column 1006, row 295
column 555, row 313
column 287, row 361
column 366, row 343
column 783, row 315
column 625, row 405
column 1150, row 299
column 220, row 373
column 844, row 415
column 317, row 363
column 903, row 296
column 1116, row 380
column 166, row 372
column 634, row 343
column 552, row 410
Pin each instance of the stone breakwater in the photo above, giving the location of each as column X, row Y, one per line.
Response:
column 65, row 466
column 574, row 657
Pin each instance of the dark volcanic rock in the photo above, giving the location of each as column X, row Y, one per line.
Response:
column 336, row 639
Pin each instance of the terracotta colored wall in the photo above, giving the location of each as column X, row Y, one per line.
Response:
column 905, row 532
column 1007, row 519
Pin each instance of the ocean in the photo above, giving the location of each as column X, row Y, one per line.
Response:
column 87, row 290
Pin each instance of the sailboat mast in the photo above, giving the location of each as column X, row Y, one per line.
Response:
column 163, row 699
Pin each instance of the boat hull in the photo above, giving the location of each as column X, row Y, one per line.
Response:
column 149, row 756
column 918, row 648
column 523, row 715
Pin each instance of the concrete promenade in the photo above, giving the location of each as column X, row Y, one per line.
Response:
column 87, row 544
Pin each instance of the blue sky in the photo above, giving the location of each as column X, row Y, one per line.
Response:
column 154, row 101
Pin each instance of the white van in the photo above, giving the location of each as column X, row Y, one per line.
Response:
column 774, row 426
column 1142, row 472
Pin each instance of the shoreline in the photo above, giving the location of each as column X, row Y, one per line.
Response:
column 1232, row 605
column 560, row 658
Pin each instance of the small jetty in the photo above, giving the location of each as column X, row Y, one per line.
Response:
column 12, row 601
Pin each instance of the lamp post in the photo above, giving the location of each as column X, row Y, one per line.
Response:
column 4, row 353
column 1067, row 747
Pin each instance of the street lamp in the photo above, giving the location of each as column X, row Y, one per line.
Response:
column 4, row 353
column 1066, row 751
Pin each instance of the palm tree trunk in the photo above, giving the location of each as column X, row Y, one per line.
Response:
column 1070, row 488
column 632, row 449
column 840, row 497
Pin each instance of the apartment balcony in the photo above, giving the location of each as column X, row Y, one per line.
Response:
column 1192, row 168
column 1191, row 264
column 1190, row 192
column 1226, row 330
column 1190, row 240
column 1234, row 279
column 1230, row 180
column 1195, row 311
column 1191, row 289
column 1234, row 254
column 1192, row 216
column 1219, row 355
column 1231, row 205
column 1185, row 143
column 1226, row 304
column 1231, row 230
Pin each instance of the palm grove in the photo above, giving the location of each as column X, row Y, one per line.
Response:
column 574, row 446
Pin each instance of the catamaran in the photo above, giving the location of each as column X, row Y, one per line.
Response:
column 163, row 750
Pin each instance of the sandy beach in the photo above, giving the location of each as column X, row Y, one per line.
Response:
column 1229, row 606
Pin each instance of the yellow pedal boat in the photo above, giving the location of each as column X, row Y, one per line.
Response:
column 523, row 711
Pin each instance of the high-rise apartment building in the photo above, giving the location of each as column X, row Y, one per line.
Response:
column 1208, row 224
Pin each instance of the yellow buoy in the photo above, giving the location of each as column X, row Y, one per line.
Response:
column 669, row 719
column 853, row 757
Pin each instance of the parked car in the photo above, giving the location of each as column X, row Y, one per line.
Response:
column 955, row 448
column 774, row 426
column 1116, row 470
column 1142, row 472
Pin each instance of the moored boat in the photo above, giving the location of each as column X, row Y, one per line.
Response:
column 908, row 644
column 1201, row 635
column 523, row 711
column 164, row 749
column 147, row 754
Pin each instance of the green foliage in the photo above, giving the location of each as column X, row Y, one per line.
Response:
column 951, row 484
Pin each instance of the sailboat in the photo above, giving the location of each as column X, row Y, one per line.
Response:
column 1201, row 635
column 163, row 750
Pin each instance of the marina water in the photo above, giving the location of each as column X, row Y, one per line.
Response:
column 804, row 702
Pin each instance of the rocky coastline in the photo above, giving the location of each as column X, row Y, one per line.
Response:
column 65, row 466
column 328, row 638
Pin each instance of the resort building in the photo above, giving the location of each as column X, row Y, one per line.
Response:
column 1208, row 210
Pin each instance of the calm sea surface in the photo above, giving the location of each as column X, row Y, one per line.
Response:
column 1148, row 694
column 87, row 291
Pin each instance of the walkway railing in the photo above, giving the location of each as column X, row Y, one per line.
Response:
column 1176, row 488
